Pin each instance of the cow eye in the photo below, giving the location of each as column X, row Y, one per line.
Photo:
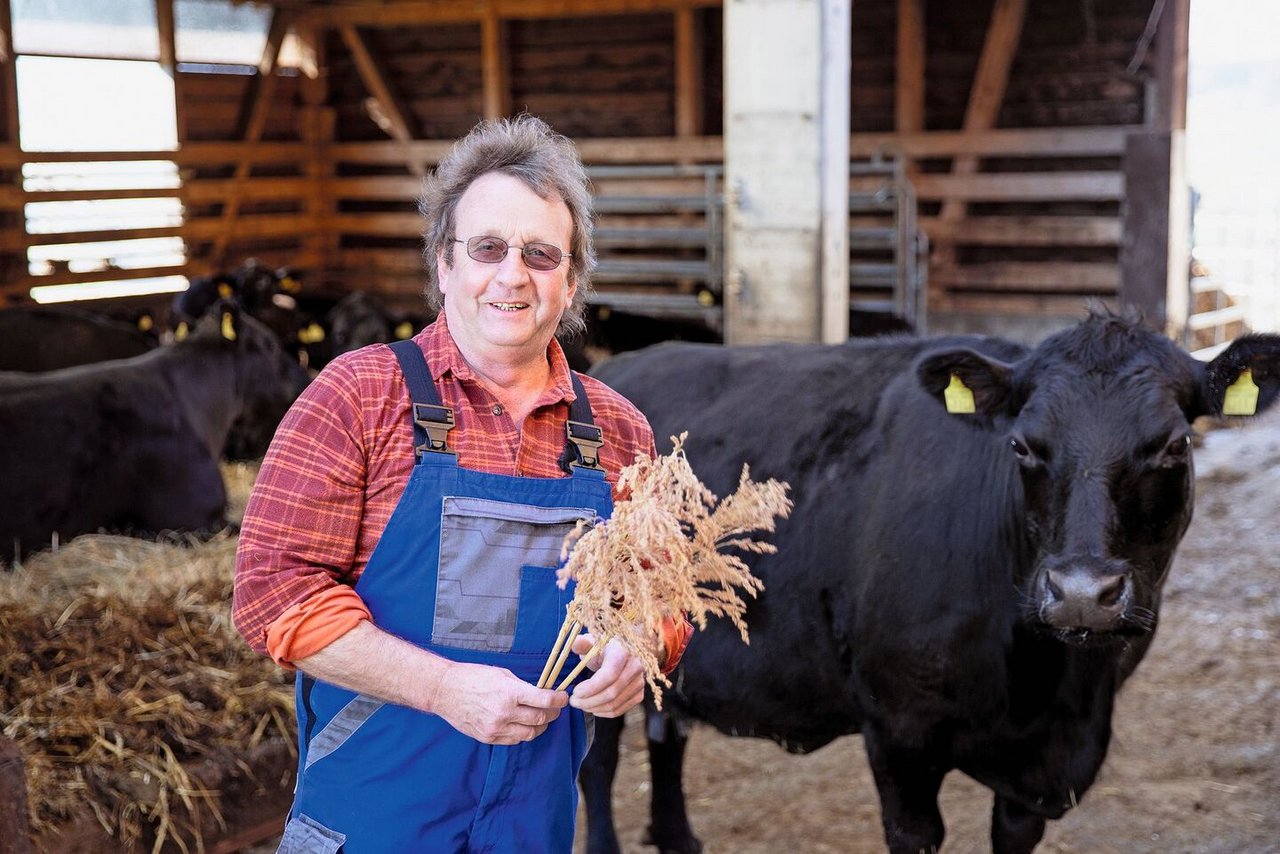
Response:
column 1178, row 447
column 1021, row 451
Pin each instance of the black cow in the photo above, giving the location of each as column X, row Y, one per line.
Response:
column 39, row 338
column 133, row 445
column 968, row 591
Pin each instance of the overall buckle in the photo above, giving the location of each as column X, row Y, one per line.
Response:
column 586, row 439
column 437, row 421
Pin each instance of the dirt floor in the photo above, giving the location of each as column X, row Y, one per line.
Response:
column 1194, row 764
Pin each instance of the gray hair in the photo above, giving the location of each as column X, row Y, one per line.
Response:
column 524, row 147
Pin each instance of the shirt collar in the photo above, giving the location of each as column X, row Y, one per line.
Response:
column 444, row 357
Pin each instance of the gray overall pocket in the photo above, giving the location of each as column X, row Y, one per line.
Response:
column 484, row 547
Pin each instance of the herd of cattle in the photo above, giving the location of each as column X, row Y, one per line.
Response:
column 967, row 588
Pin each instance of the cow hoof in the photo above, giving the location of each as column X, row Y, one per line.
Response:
column 688, row 845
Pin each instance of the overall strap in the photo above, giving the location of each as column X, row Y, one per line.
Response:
column 431, row 421
column 584, row 438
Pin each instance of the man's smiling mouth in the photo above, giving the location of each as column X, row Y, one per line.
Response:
column 509, row 306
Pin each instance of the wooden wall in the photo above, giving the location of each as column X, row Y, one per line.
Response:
column 1020, row 174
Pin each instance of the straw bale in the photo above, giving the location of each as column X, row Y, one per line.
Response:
column 120, row 672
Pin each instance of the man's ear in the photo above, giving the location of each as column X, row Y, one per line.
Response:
column 966, row 382
column 1244, row 379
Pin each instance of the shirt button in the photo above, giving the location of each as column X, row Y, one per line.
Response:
column 497, row 409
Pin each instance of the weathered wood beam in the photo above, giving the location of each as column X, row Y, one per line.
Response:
column 989, row 83
column 110, row 275
column 318, row 125
column 8, row 74
column 375, row 79
column 257, row 107
column 1021, row 187
column 469, row 11
column 689, row 78
column 1025, row 230
column 169, row 62
column 495, row 69
column 908, row 103
column 1172, row 50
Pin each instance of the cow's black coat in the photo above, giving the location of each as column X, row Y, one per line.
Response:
column 48, row 338
column 133, row 445
column 967, row 591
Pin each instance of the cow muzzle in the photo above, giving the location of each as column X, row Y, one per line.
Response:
column 1083, row 594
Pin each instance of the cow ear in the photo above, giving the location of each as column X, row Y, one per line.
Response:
column 1244, row 379
column 966, row 382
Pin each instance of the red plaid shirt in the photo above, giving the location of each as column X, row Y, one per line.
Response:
column 342, row 456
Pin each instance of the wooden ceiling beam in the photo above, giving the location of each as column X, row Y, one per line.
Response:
column 689, row 61
column 375, row 79
column 471, row 11
column 494, row 65
column 8, row 74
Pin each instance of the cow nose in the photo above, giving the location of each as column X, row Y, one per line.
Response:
column 1078, row 598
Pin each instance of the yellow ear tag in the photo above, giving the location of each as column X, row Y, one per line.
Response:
column 181, row 332
column 145, row 323
column 228, row 326
column 290, row 285
column 958, row 397
column 1242, row 395
column 224, row 290
column 312, row 334
column 404, row 330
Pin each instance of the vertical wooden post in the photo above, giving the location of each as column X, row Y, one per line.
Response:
column 1153, row 250
column 494, row 67
column 1172, row 49
column 166, row 26
column 321, row 245
column 689, row 83
column 908, row 103
column 13, row 266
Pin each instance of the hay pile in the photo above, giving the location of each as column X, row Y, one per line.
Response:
column 119, row 670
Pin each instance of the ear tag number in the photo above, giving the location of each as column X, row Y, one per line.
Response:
column 958, row 397
column 228, row 326
column 1242, row 395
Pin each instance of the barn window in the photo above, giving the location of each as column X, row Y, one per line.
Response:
column 75, row 60
column 212, row 34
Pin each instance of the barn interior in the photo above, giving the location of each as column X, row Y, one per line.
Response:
column 989, row 166
column 1009, row 160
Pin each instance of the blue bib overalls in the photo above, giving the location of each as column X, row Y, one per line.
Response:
column 466, row 569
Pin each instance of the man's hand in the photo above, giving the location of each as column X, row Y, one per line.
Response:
column 491, row 705
column 616, row 687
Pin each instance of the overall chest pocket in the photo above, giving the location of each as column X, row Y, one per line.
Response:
column 497, row 571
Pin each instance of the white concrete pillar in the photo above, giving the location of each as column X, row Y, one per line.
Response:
column 786, row 130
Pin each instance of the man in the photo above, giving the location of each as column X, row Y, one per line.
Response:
column 400, row 544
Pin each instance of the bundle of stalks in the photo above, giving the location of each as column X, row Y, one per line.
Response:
column 120, row 671
column 661, row 555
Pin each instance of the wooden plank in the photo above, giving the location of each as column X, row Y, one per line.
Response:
column 259, row 189
column 375, row 224
column 1021, row 305
column 495, row 68
column 467, row 11
column 689, row 77
column 648, row 150
column 909, row 82
column 1025, row 231
column 1050, row 276
column 1016, row 187
column 318, row 126
column 103, row 276
column 190, row 154
column 1029, row 142
column 1218, row 317
column 13, row 198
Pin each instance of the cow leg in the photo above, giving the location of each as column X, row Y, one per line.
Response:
column 668, row 820
column 596, row 779
column 908, row 783
column 1014, row 828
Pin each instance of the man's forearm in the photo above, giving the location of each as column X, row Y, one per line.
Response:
column 370, row 661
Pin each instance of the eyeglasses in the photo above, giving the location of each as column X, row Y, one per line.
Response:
column 537, row 256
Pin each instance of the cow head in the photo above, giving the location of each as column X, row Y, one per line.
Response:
column 1097, row 423
column 267, row 381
